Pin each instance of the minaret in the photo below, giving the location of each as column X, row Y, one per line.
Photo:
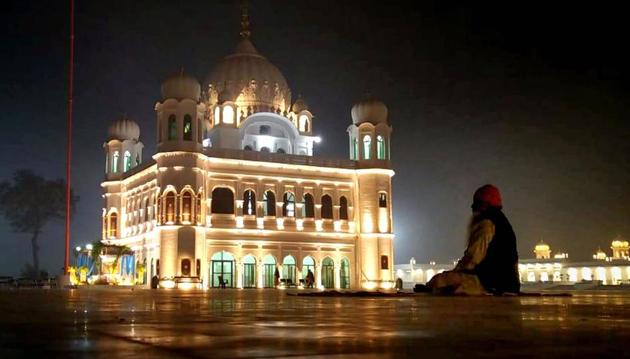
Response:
column 180, row 115
column 369, row 137
column 123, row 149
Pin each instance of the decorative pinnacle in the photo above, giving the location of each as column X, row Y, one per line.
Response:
column 245, row 32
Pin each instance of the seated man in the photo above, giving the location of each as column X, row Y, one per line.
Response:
column 490, row 263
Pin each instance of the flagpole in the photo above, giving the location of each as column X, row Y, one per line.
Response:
column 66, row 261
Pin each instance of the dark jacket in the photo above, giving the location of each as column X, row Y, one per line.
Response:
column 498, row 271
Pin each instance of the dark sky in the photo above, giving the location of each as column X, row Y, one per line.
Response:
column 532, row 97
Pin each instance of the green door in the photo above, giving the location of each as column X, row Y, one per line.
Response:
column 328, row 273
column 223, row 270
column 249, row 275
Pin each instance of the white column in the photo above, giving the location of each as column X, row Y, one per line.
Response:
column 318, row 275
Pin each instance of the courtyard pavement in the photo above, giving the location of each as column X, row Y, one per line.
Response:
column 121, row 323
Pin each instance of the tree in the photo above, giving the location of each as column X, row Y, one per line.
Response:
column 29, row 202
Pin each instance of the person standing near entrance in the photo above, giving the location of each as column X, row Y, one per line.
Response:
column 490, row 262
column 310, row 279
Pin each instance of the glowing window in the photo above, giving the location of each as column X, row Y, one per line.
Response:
column 217, row 113
column 170, row 207
column 345, row 274
column 288, row 206
column 380, row 148
column 367, row 147
column 172, row 128
column 228, row 115
column 127, row 161
column 303, row 123
column 356, row 149
column 384, row 262
column 187, row 128
column 587, row 274
column 186, row 206
column 531, row 277
column 113, row 224
column 115, row 162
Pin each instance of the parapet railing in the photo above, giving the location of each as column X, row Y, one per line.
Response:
column 280, row 158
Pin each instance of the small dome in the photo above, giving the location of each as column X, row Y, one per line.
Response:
column 299, row 105
column 542, row 246
column 370, row 110
column 181, row 86
column 124, row 129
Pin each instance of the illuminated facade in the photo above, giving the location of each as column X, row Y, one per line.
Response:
column 234, row 195
column 545, row 269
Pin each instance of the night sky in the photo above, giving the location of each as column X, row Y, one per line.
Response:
column 530, row 97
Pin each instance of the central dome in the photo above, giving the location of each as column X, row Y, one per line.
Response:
column 249, row 79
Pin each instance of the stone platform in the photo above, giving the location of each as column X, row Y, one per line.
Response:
column 121, row 323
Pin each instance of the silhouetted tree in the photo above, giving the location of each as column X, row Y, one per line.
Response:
column 29, row 202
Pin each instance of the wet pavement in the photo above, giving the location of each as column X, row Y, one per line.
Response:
column 120, row 323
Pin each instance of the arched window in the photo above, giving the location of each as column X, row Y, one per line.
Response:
column 113, row 224
column 222, row 200
column 115, row 162
column 270, row 203
column 367, row 147
column 127, row 161
column 328, row 273
column 248, row 148
column 186, row 206
column 249, row 203
column 187, row 128
column 343, row 208
column 169, row 203
column 308, row 209
column 382, row 200
column 228, row 115
column 356, row 149
column 380, row 147
column 137, row 159
column 264, row 149
column 303, row 123
column 217, row 113
column 327, row 208
column 288, row 206
column 172, row 128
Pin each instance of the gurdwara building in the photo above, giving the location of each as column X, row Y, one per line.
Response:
column 235, row 196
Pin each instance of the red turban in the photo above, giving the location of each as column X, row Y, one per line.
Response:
column 489, row 195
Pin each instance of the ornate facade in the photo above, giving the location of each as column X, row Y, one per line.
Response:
column 234, row 195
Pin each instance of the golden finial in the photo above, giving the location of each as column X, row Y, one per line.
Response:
column 245, row 33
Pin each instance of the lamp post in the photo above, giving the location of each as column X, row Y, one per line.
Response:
column 69, row 142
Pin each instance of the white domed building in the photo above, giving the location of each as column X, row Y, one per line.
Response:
column 234, row 195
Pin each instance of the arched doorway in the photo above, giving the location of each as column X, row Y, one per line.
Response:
column 269, row 265
column 328, row 273
column 249, row 271
column 345, row 274
column 288, row 270
column 308, row 263
column 222, row 269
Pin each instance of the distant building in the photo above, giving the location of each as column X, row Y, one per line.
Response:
column 543, row 269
